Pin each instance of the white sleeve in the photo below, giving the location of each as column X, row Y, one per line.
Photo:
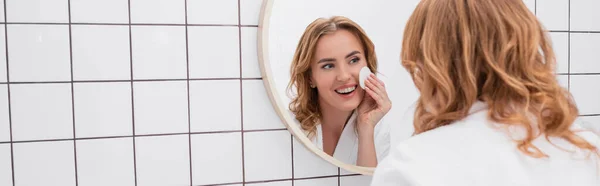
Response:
column 394, row 170
column 382, row 139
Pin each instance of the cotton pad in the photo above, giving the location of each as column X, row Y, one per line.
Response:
column 363, row 75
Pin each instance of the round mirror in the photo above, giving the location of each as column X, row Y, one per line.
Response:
column 333, row 74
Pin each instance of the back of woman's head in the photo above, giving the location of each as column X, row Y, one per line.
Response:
column 305, row 104
column 496, row 51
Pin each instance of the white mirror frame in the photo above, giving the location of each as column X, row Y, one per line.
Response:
column 278, row 105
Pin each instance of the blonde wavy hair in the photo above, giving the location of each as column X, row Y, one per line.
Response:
column 462, row 51
column 305, row 103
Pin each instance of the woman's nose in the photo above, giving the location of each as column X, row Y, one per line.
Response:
column 344, row 74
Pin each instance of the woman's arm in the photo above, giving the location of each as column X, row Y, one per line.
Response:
column 367, row 156
column 373, row 107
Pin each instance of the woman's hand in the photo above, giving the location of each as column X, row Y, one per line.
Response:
column 374, row 105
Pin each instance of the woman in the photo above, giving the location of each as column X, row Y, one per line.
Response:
column 491, row 111
column 335, row 112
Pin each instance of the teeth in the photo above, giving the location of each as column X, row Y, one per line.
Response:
column 346, row 90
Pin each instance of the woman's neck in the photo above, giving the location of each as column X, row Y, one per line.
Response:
column 332, row 118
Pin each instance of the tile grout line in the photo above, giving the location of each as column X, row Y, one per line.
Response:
column 339, row 177
column 187, row 63
column 152, row 135
column 72, row 95
column 12, row 155
column 132, row 95
column 126, row 24
column 136, row 80
column 239, row 19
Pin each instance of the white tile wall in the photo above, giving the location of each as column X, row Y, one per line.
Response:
column 215, row 163
column 91, row 43
column 105, row 162
column 267, row 155
column 212, row 103
column 214, row 52
column 49, row 43
column 162, row 160
column 103, row 109
column 161, row 129
column 157, row 11
column 554, row 14
column 44, row 163
column 585, row 57
column 223, row 12
column 5, row 165
column 99, row 11
column 4, row 120
column 158, row 52
column 39, row 11
column 321, row 182
column 160, row 107
column 41, row 111
column 3, row 53
column 585, row 15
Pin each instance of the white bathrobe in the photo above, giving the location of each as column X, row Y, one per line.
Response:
column 347, row 146
column 472, row 152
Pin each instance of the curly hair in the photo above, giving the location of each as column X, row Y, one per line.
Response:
column 462, row 51
column 305, row 104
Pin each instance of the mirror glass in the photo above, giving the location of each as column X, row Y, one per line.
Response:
column 336, row 90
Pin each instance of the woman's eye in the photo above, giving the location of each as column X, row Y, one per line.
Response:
column 354, row 60
column 327, row 66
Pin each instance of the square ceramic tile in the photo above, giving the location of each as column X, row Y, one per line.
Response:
column 217, row 158
column 214, row 52
column 162, row 160
column 257, row 108
column 212, row 12
column 103, row 109
column 585, row 57
column 586, row 16
column 160, row 107
column 215, row 105
column 41, row 111
column 4, row 121
column 44, row 163
column 585, row 91
column 39, row 53
column 99, row 11
column 332, row 181
column 250, row 67
column 553, row 14
column 271, row 183
column 37, row 11
column 250, row 10
column 158, row 52
column 158, row 11
column 2, row 53
column 92, row 43
column 563, row 80
column 360, row 180
column 105, row 162
column 308, row 164
column 560, row 44
column 530, row 4
column 267, row 155
column 5, row 165
column 2, row 11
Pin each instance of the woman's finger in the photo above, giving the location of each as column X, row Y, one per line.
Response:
column 373, row 84
column 378, row 99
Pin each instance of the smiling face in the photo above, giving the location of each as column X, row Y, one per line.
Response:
column 338, row 58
